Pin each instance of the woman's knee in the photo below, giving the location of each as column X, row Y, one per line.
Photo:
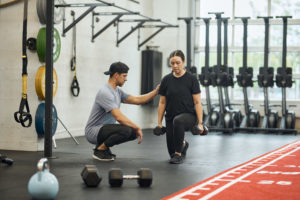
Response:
column 178, row 121
column 185, row 120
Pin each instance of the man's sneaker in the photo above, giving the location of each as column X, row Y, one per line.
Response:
column 109, row 151
column 185, row 148
column 102, row 155
column 176, row 159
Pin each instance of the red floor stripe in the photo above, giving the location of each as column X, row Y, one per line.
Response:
column 274, row 175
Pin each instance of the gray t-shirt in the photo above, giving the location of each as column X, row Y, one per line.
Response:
column 106, row 99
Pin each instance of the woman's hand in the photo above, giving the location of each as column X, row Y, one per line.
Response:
column 201, row 127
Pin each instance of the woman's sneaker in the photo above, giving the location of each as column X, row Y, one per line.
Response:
column 185, row 148
column 176, row 159
column 103, row 155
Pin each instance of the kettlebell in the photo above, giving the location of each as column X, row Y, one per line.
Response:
column 43, row 184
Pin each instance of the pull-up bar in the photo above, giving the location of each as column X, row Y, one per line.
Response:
column 139, row 25
column 115, row 21
column 77, row 20
column 139, row 20
column 161, row 27
column 119, row 15
column 91, row 6
column 125, row 9
column 80, row 5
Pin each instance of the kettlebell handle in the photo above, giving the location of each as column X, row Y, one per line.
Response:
column 43, row 164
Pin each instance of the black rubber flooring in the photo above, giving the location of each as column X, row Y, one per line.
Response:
column 206, row 157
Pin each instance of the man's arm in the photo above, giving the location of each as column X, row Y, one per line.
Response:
column 142, row 98
column 122, row 119
column 198, row 108
column 161, row 110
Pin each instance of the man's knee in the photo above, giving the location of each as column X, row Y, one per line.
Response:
column 133, row 135
column 128, row 133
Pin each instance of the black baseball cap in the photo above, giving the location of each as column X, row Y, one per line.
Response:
column 118, row 67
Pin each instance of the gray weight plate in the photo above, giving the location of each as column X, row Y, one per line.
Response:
column 41, row 7
column 44, row 9
column 40, row 11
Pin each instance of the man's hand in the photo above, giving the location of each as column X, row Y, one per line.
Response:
column 157, row 88
column 139, row 133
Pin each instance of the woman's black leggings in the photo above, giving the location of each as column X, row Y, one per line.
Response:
column 175, row 131
column 112, row 134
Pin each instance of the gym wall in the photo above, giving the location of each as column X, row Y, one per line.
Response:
column 92, row 60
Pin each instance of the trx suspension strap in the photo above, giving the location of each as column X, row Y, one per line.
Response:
column 23, row 115
column 75, row 89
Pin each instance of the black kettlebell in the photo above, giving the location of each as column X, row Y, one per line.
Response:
column 159, row 130
column 196, row 130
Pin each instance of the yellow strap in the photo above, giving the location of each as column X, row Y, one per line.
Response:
column 24, row 85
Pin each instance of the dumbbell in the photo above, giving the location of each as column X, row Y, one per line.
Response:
column 143, row 177
column 4, row 159
column 196, row 130
column 159, row 130
column 90, row 176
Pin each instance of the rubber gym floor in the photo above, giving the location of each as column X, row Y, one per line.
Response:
column 206, row 156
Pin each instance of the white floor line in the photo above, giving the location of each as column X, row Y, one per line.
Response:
column 239, row 178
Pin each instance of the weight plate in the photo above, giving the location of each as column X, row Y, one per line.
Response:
column 41, row 44
column 44, row 10
column 41, row 8
column 40, row 11
column 40, row 120
column 56, row 45
column 115, row 177
column 40, row 82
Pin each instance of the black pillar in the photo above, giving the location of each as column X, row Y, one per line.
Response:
column 49, row 80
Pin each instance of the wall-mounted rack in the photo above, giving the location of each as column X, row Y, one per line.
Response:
column 141, row 21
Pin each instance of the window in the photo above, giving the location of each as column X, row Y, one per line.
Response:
column 293, row 60
column 256, row 37
column 251, row 8
column 215, row 6
column 286, row 7
column 255, row 60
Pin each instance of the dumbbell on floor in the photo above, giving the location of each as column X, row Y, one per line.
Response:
column 196, row 130
column 90, row 176
column 143, row 177
column 159, row 130
column 6, row 160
